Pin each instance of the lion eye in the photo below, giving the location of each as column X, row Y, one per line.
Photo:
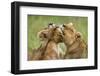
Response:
column 66, row 28
column 71, row 30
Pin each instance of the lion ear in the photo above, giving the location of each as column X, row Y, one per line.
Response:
column 78, row 35
column 70, row 24
column 51, row 25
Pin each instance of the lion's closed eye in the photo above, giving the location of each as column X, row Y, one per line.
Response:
column 71, row 30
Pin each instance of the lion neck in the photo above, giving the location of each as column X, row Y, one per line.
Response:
column 44, row 43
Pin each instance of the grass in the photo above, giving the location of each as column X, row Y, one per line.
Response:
column 38, row 22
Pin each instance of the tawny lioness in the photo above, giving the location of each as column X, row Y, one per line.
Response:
column 54, row 37
column 50, row 37
column 74, row 42
column 37, row 53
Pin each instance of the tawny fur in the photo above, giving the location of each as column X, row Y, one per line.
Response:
column 74, row 43
column 48, row 50
column 37, row 54
column 55, row 37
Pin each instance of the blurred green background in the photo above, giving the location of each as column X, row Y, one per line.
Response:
column 38, row 22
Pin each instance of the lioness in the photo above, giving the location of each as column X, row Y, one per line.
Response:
column 74, row 43
column 54, row 37
column 50, row 37
column 36, row 54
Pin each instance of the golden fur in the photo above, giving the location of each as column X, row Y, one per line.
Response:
column 36, row 54
column 74, row 43
column 50, row 37
column 55, row 37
